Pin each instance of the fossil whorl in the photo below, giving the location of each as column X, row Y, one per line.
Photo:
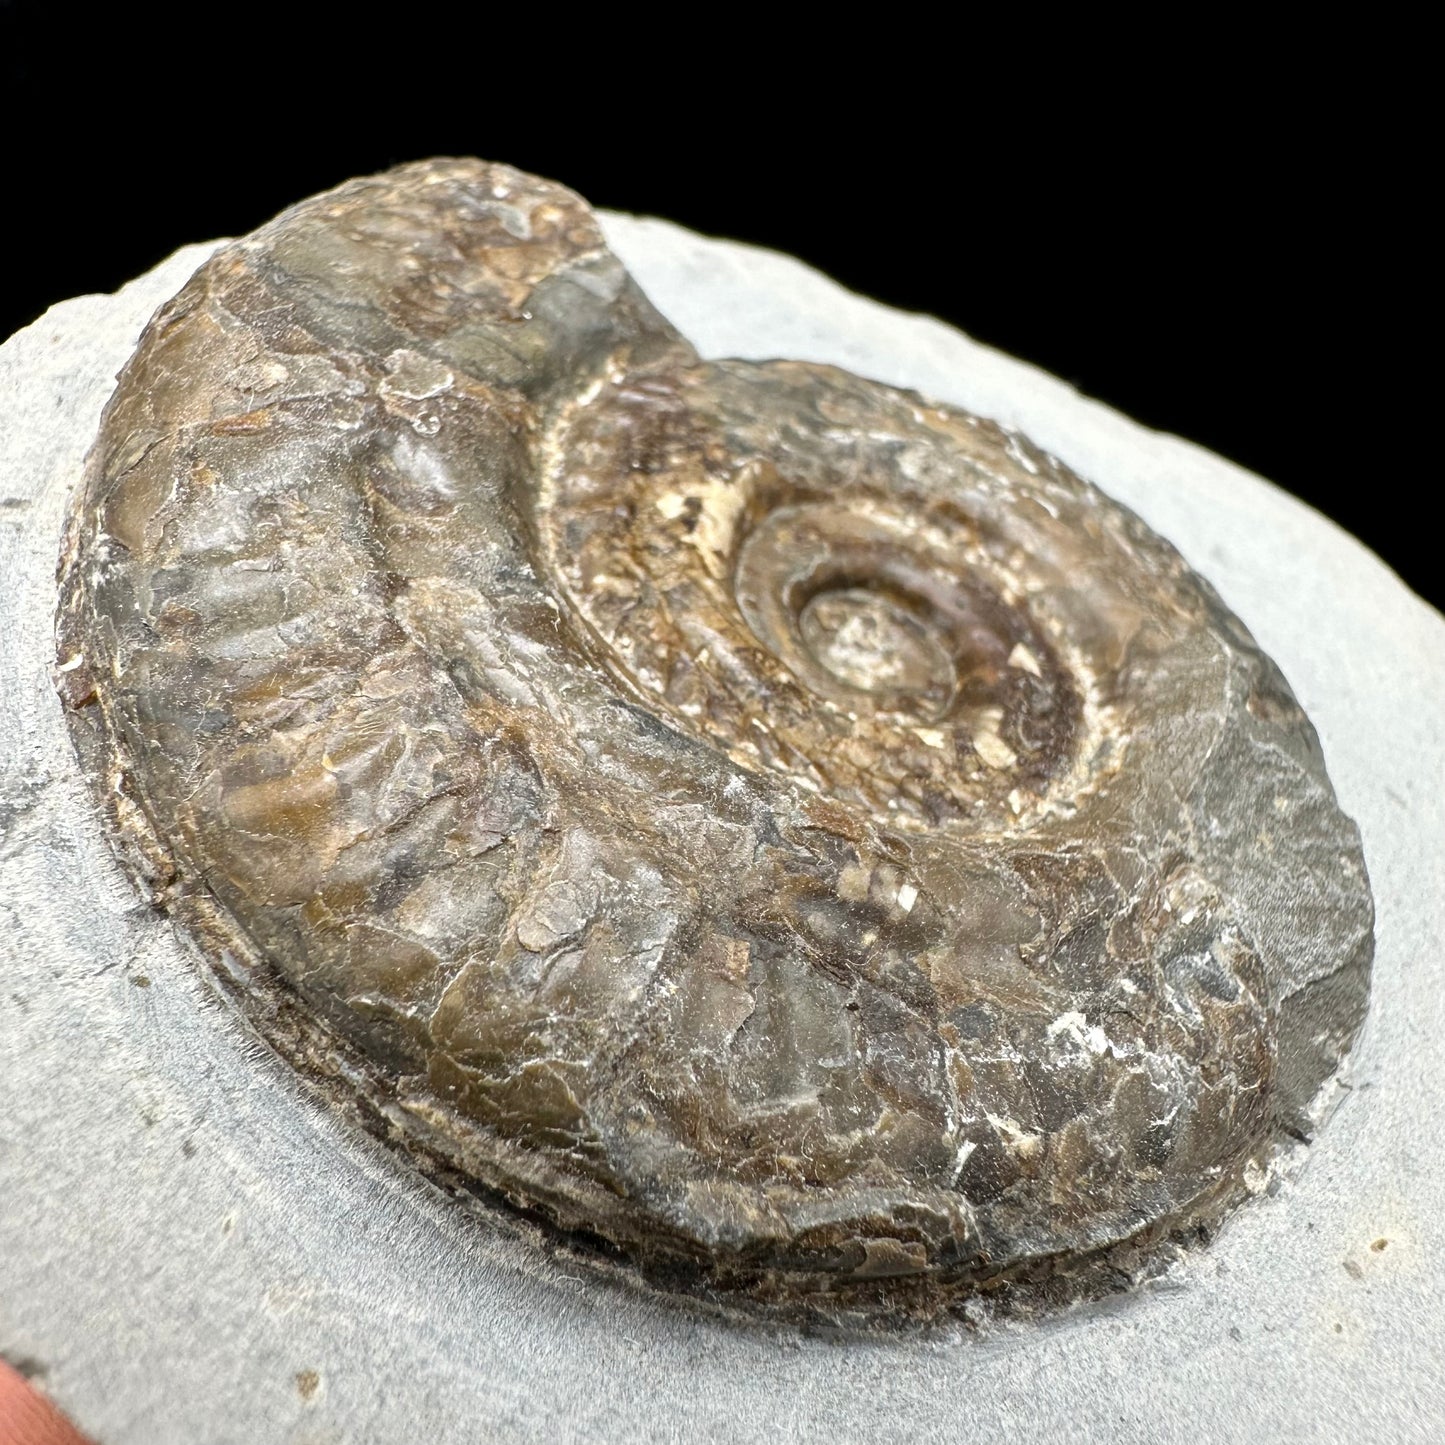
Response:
column 766, row 819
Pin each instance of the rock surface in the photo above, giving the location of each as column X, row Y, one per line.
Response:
column 792, row 830
column 187, row 1242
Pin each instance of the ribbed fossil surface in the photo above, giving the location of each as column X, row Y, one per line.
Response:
column 794, row 831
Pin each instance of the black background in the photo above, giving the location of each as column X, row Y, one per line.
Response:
column 1219, row 232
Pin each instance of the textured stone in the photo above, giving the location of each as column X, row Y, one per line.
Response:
column 798, row 832
column 183, row 1231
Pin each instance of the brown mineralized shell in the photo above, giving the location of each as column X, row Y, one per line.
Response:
column 793, row 831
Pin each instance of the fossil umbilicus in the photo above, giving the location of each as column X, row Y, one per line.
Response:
column 792, row 830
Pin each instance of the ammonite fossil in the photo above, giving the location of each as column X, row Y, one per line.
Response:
column 796, row 833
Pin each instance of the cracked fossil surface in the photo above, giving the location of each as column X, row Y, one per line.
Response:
column 793, row 832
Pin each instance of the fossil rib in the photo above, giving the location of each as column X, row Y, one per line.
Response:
column 793, row 830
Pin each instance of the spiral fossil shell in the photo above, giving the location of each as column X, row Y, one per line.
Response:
column 796, row 832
